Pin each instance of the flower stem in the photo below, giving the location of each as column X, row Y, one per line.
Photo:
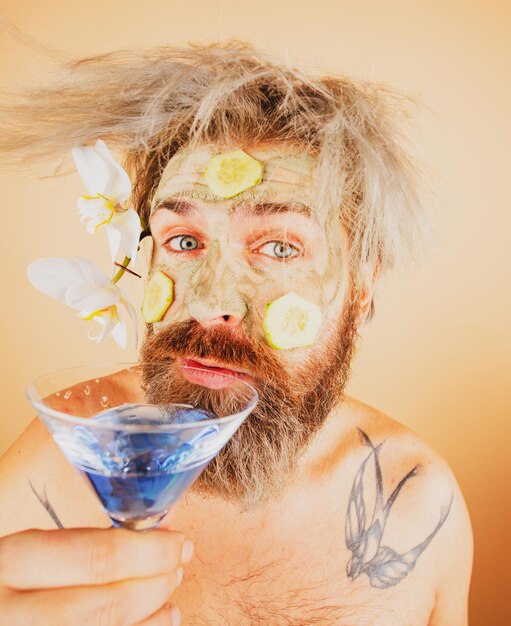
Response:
column 125, row 262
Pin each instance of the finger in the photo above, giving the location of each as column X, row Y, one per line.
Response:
column 124, row 603
column 168, row 615
column 41, row 559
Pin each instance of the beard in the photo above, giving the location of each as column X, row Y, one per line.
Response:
column 259, row 460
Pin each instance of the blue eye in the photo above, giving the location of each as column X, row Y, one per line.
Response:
column 187, row 243
column 280, row 249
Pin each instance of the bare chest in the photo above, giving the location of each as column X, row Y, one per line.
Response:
column 292, row 574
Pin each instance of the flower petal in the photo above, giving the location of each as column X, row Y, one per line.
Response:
column 120, row 334
column 93, row 170
column 119, row 184
column 132, row 315
column 54, row 276
column 93, row 212
column 108, row 319
column 91, row 273
column 99, row 336
column 114, row 240
column 83, row 299
column 127, row 223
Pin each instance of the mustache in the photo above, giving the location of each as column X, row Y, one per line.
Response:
column 190, row 339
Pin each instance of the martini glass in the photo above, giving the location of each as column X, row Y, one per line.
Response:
column 139, row 455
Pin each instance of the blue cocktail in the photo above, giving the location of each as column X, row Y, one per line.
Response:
column 139, row 457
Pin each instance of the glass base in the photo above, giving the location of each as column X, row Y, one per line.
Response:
column 140, row 523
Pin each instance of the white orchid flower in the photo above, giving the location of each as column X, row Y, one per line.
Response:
column 107, row 186
column 81, row 285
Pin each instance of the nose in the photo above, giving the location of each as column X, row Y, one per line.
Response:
column 214, row 299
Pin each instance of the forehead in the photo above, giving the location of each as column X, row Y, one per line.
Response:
column 288, row 175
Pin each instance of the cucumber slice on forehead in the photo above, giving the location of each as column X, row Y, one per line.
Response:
column 158, row 297
column 230, row 173
column 291, row 322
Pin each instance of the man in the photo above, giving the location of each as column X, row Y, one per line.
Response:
column 320, row 509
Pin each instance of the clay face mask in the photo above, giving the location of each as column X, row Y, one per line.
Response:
column 206, row 258
column 281, row 172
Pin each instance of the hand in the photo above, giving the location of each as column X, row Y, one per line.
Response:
column 91, row 577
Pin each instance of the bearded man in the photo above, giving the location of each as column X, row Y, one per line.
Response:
column 320, row 509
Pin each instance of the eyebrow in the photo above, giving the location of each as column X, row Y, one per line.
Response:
column 257, row 209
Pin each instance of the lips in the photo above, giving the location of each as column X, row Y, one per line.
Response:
column 210, row 374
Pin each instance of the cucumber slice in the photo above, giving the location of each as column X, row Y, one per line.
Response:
column 158, row 297
column 230, row 173
column 291, row 322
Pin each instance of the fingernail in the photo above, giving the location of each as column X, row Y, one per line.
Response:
column 179, row 576
column 175, row 616
column 187, row 553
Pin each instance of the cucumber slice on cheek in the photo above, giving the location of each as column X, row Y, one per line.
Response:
column 291, row 322
column 158, row 297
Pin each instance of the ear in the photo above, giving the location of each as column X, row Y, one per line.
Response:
column 367, row 294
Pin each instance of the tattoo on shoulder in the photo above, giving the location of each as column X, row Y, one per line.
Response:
column 43, row 499
column 384, row 567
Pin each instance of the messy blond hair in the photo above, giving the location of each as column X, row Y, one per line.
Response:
column 148, row 103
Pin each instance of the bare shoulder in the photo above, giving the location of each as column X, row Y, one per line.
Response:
column 417, row 528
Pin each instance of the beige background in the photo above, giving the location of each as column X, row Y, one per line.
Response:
column 437, row 354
